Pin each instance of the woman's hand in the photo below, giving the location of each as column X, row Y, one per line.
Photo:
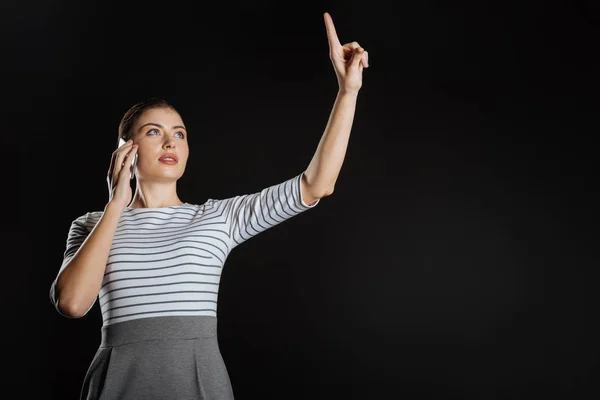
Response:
column 119, row 176
column 348, row 60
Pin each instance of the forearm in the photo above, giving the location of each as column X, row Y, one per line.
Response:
column 325, row 166
column 78, row 284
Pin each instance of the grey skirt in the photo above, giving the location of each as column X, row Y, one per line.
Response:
column 172, row 357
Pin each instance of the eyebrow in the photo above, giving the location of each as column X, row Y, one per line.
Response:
column 162, row 127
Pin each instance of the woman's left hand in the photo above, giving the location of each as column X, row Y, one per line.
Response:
column 348, row 60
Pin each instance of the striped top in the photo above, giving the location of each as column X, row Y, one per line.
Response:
column 168, row 261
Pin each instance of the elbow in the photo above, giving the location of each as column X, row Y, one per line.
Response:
column 65, row 308
column 73, row 309
column 70, row 311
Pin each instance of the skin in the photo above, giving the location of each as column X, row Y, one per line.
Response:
column 348, row 61
column 157, row 182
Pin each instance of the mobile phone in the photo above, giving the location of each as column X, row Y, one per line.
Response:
column 134, row 163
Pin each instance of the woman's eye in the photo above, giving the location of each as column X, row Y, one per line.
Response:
column 180, row 133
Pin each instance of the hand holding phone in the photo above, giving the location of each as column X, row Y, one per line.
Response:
column 123, row 162
column 134, row 163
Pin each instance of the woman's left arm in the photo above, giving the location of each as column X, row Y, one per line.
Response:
column 322, row 172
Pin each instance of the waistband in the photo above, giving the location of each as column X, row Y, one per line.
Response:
column 166, row 327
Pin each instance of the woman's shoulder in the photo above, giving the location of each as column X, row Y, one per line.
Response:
column 94, row 216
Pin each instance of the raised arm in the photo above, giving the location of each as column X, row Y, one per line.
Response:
column 322, row 172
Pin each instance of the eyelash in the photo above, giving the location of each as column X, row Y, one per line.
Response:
column 183, row 134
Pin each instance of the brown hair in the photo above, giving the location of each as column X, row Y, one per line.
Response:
column 134, row 113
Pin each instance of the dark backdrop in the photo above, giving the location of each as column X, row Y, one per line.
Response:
column 457, row 257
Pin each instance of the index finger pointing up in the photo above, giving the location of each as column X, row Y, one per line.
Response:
column 331, row 34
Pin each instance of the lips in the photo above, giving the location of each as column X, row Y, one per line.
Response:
column 168, row 155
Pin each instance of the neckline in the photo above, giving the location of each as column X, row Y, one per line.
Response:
column 157, row 208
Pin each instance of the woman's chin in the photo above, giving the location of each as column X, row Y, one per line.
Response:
column 160, row 176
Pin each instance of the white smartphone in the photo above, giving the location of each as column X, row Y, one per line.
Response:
column 134, row 163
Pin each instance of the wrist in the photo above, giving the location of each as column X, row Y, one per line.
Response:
column 115, row 208
column 348, row 92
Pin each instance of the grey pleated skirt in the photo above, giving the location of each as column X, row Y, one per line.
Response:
column 159, row 358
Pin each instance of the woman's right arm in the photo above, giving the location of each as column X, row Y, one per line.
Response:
column 79, row 282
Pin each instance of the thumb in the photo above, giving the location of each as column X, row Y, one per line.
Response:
column 357, row 56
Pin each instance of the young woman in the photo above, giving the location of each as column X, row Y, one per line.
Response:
column 154, row 262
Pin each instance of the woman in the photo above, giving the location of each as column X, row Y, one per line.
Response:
column 154, row 262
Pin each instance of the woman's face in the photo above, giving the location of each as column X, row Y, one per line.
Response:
column 159, row 131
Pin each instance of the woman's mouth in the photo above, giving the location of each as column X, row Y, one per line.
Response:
column 170, row 159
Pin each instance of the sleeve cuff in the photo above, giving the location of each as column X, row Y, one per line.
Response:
column 299, row 186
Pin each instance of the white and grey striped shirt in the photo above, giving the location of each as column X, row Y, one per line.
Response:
column 168, row 261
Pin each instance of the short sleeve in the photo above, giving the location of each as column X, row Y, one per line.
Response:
column 78, row 232
column 250, row 214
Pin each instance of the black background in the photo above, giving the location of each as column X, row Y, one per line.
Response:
column 457, row 257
